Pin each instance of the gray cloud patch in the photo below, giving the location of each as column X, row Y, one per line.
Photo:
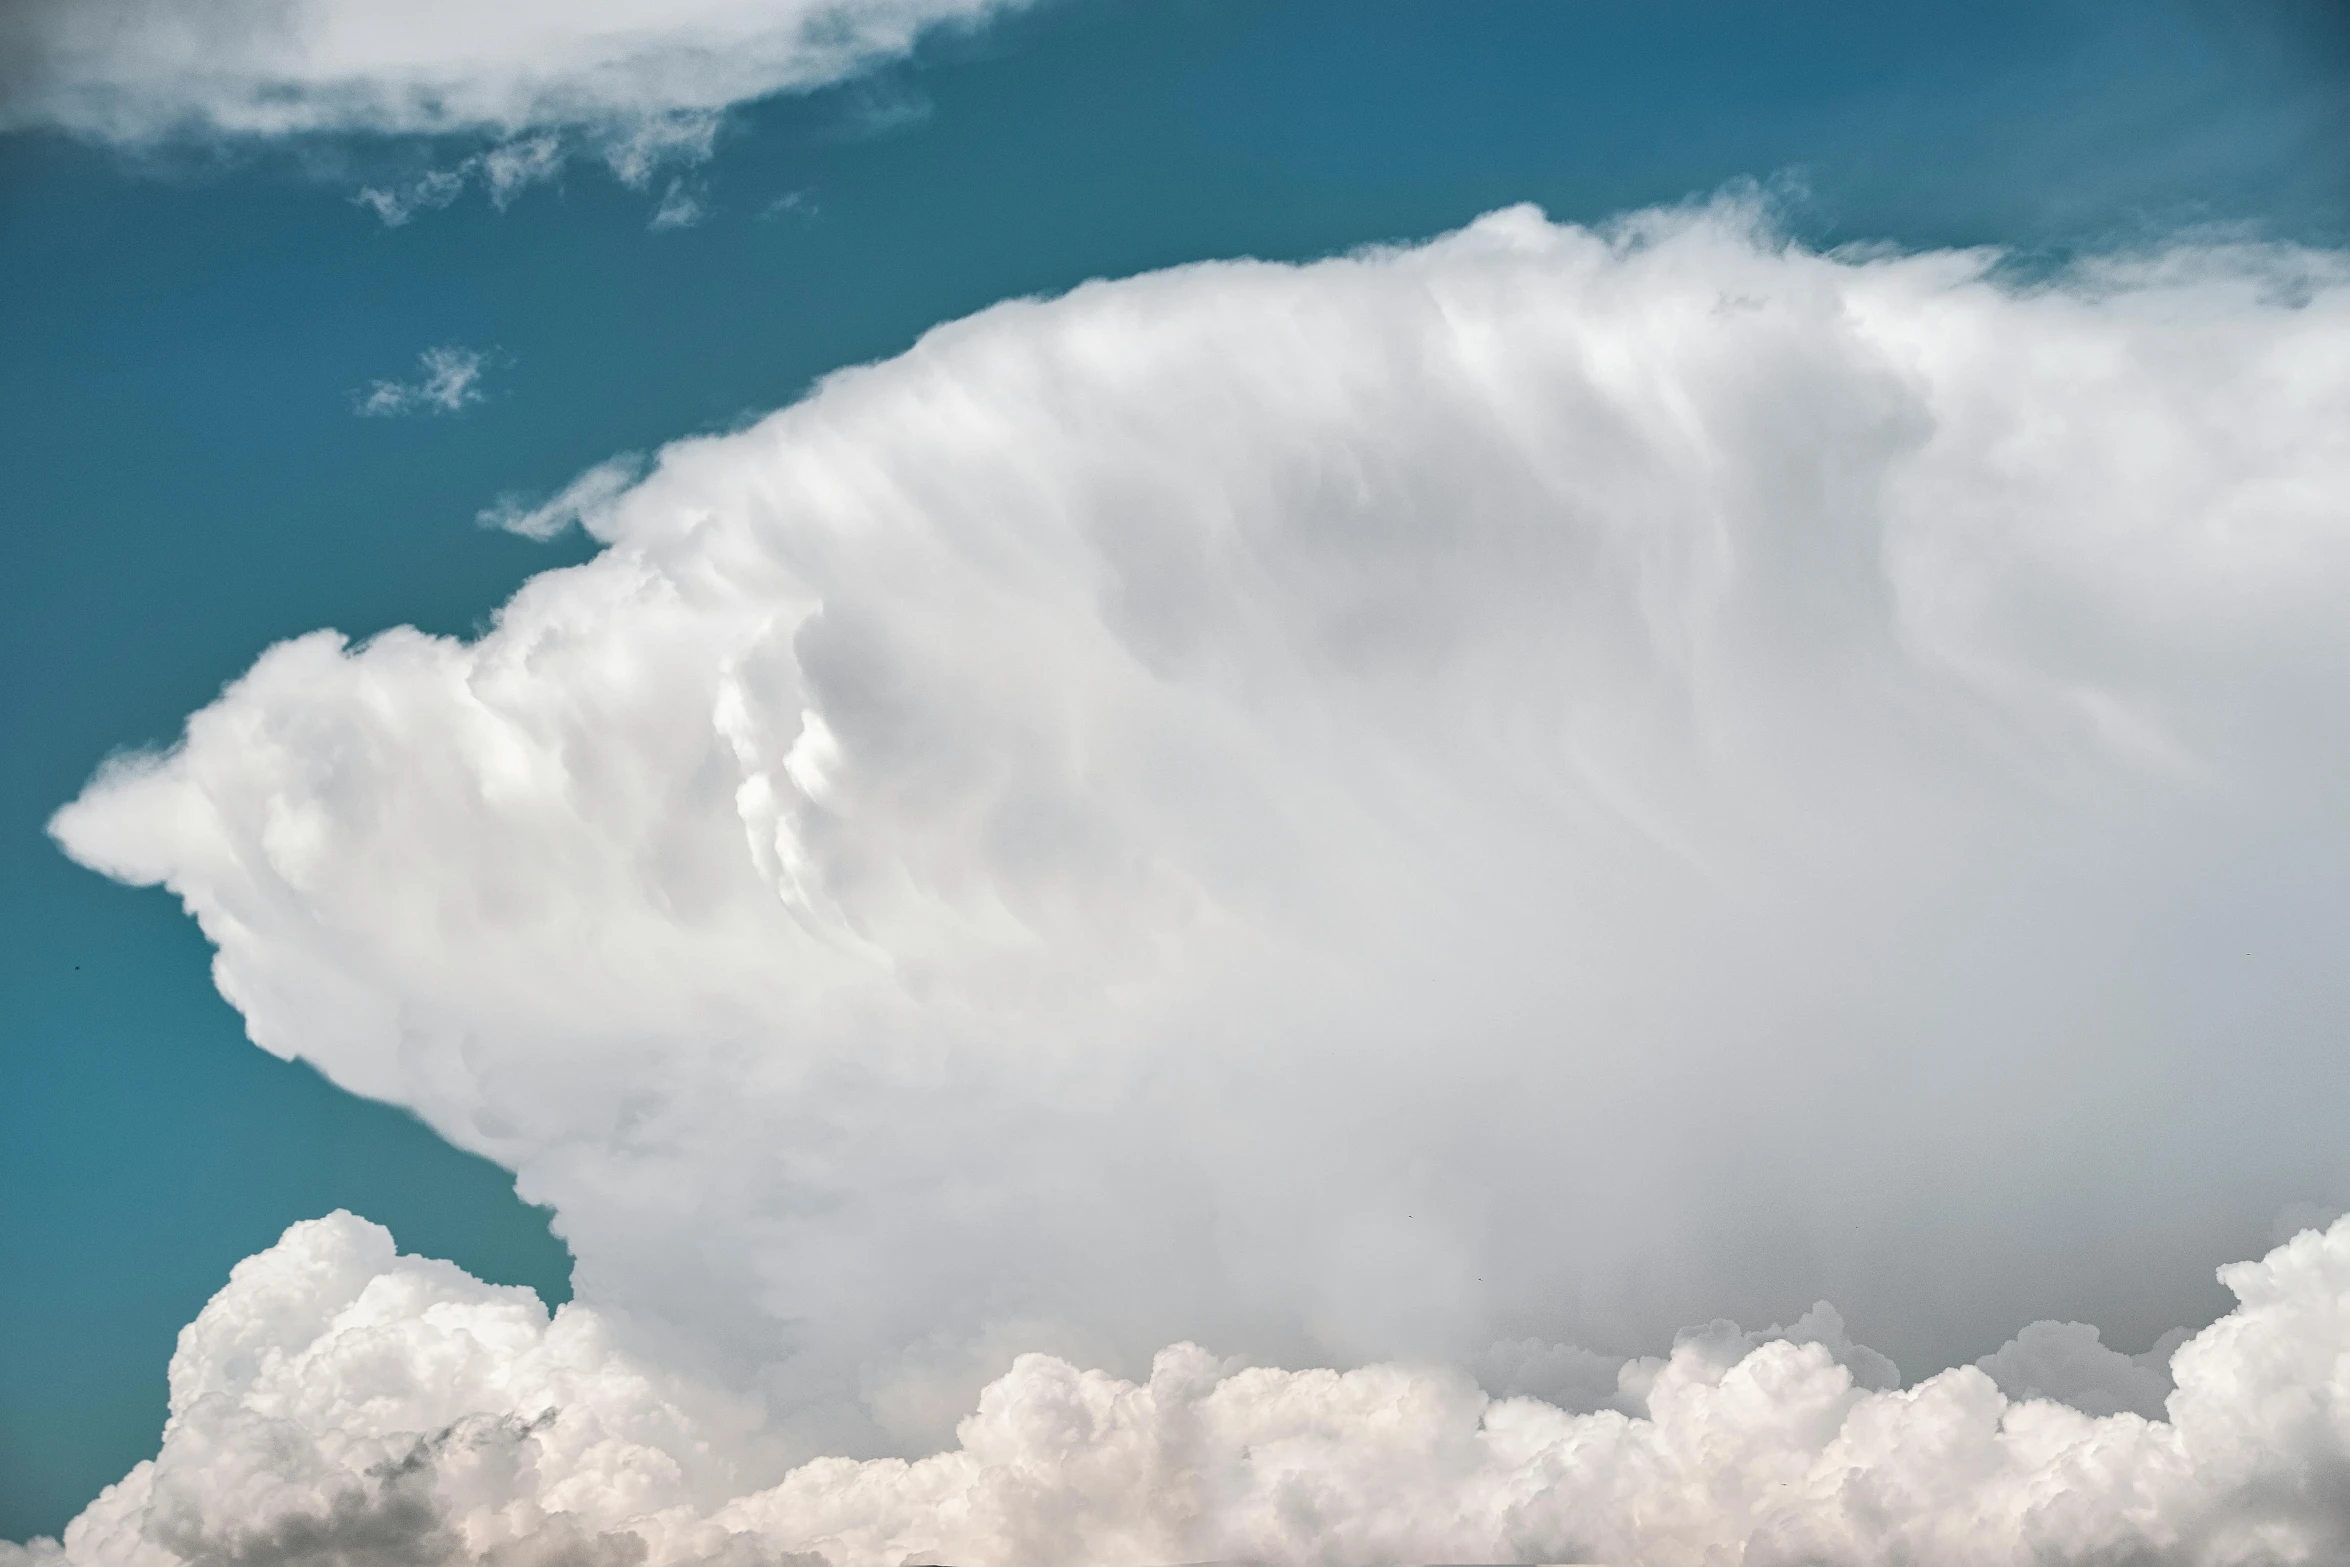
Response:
column 2069, row 1362
column 395, row 1524
column 395, row 1516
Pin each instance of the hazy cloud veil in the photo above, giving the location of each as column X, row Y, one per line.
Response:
column 1415, row 812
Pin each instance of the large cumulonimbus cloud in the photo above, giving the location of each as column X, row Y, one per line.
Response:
column 1456, row 806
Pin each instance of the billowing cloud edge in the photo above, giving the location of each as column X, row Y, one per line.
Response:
column 337, row 1401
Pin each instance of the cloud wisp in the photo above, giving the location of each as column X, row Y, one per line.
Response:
column 584, row 502
column 504, row 172
column 1464, row 805
column 447, row 381
column 681, row 207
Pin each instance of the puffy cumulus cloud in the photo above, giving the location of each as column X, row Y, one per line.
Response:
column 141, row 70
column 1468, row 804
column 336, row 1403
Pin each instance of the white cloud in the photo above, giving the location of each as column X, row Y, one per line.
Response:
column 336, row 1402
column 631, row 74
column 447, row 381
column 1435, row 807
column 584, row 502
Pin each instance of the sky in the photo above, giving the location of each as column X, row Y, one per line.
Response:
column 1667, row 773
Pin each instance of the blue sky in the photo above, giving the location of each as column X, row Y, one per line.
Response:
column 183, row 336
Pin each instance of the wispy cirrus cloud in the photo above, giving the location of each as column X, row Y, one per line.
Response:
column 447, row 380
